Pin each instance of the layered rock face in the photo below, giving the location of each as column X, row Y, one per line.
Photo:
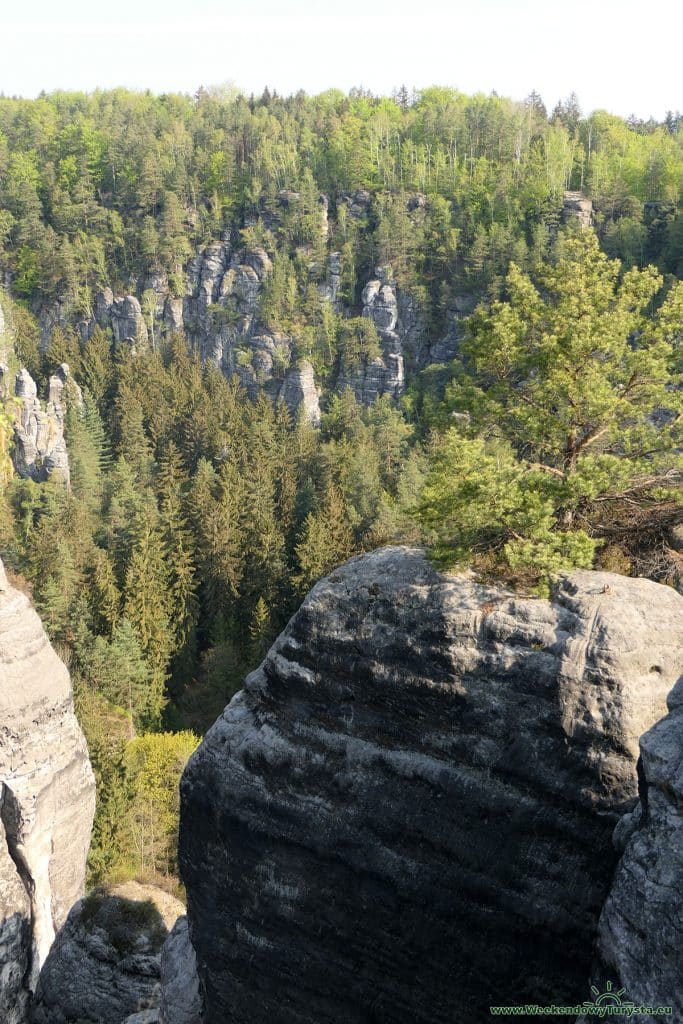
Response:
column 40, row 450
column 640, row 947
column 47, row 794
column 578, row 207
column 105, row 963
column 407, row 813
column 383, row 376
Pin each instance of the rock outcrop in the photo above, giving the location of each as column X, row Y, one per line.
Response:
column 577, row 207
column 40, row 450
column 180, row 997
column 407, row 813
column 299, row 392
column 110, row 951
column 219, row 314
column 47, row 795
column 124, row 315
column 641, row 927
column 15, row 937
column 384, row 375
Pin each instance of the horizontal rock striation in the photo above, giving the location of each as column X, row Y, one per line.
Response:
column 406, row 815
column 47, row 790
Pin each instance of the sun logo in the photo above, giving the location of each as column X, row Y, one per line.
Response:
column 607, row 998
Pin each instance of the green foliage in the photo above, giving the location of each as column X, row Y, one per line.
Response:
column 567, row 390
column 154, row 764
column 198, row 518
column 326, row 540
column 95, row 188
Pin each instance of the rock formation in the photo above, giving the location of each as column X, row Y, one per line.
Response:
column 47, row 796
column 407, row 813
column 640, row 947
column 299, row 392
column 109, row 950
column 180, row 996
column 15, row 937
column 40, row 450
column 384, row 375
column 578, row 207
column 123, row 315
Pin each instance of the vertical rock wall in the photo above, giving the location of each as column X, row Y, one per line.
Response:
column 47, row 791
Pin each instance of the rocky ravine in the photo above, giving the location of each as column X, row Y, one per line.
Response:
column 407, row 814
column 47, row 799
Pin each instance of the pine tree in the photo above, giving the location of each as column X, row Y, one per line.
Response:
column 89, row 456
column 326, row 540
column 146, row 605
column 259, row 629
column 105, row 597
column 575, row 417
column 97, row 366
column 133, row 444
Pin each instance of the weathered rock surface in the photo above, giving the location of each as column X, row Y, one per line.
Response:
column 299, row 392
column 180, row 998
column 641, row 927
column 383, row 376
column 123, row 315
column 407, row 813
column 109, row 950
column 47, row 793
column 40, row 448
column 578, row 207
column 15, row 937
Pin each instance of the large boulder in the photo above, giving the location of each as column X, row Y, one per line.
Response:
column 407, row 813
column 47, row 795
column 105, row 964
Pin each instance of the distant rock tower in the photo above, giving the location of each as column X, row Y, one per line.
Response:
column 579, row 207
column 39, row 443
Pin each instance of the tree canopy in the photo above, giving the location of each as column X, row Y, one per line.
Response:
column 569, row 399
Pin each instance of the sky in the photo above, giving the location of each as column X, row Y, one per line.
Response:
column 620, row 55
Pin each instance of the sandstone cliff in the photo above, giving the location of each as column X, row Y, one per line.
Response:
column 407, row 813
column 39, row 449
column 47, row 797
column 110, row 951
column 641, row 926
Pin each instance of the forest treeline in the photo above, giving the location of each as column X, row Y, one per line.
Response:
column 97, row 188
column 197, row 517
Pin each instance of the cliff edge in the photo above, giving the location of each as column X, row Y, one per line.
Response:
column 407, row 814
column 47, row 799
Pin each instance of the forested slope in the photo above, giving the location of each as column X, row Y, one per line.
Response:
column 269, row 307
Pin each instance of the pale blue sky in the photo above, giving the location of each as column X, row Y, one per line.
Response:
column 623, row 55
